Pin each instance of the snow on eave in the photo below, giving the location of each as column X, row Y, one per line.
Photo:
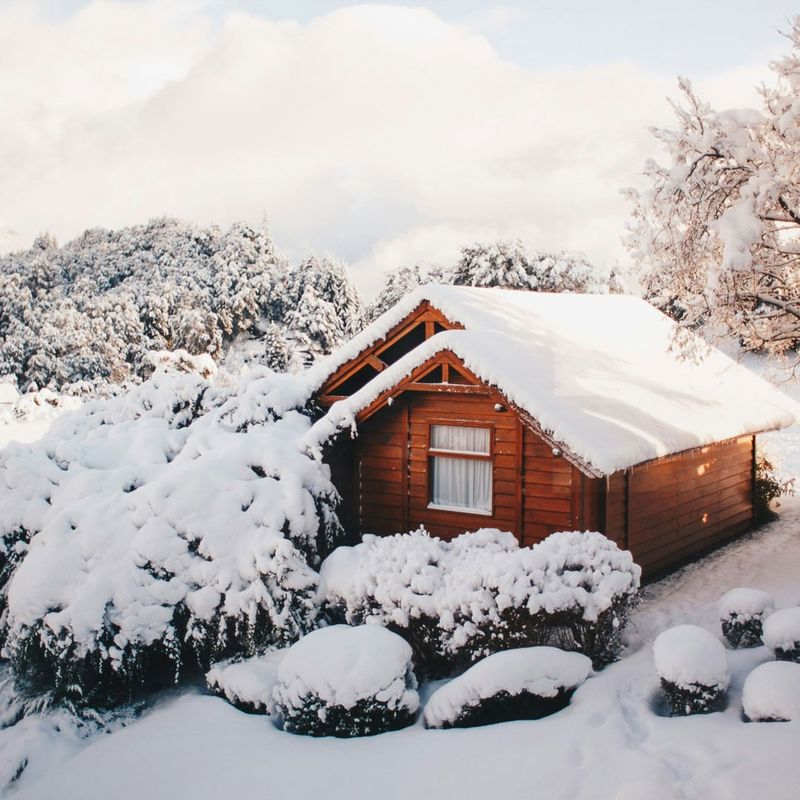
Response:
column 325, row 367
column 343, row 413
column 593, row 372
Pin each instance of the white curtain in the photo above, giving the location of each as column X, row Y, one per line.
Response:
column 459, row 439
column 462, row 483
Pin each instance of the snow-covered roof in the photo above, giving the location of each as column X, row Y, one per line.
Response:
column 597, row 372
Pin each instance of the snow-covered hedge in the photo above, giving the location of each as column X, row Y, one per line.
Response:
column 693, row 669
column 525, row 683
column 152, row 533
column 247, row 683
column 742, row 613
column 458, row 601
column 782, row 634
column 771, row 693
column 346, row 681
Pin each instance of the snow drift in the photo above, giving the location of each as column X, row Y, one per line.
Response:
column 525, row 683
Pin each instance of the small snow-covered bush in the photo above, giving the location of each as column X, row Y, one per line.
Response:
column 247, row 683
column 742, row 613
column 771, row 693
column 458, row 601
column 769, row 486
column 346, row 681
column 693, row 669
column 525, row 683
column 782, row 634
column 161, row 530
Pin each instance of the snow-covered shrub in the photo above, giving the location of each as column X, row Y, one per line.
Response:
column 169, row 528
column 458, row 601
column 525, row 683
column 742, row 613
column 693, row 669
column 771, row 693
column 247, row 683
column 782, row 634
column 769, row 486
column 346, row 681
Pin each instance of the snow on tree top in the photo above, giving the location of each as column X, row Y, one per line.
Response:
column 597, row 372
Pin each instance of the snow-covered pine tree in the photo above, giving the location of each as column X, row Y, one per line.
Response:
column 506, row 265
column 397, row 284
column 324, row 304
column 715, row 236
column 82, row 316
column 276, row 350
column 492, row 264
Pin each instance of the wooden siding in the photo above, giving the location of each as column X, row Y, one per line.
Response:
column 381, row 470
column 533, row 490
column 681, row 506
column 666, row 511
column 549, row 490
column 426, row 409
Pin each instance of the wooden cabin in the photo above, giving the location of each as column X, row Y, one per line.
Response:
column 464, row 408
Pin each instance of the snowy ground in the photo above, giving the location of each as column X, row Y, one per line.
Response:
column 610, row 743
column 28, row 417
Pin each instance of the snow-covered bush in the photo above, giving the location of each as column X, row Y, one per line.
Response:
column 525, row 683
column 782, row 634
column 159, row 531
column 247, row 683
column 457, row 601
column 742, row 613
column 769, row 486
column 346, row 681
column 771, row 693
column 693, row 669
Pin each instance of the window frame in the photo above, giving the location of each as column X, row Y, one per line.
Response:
column 434, row 452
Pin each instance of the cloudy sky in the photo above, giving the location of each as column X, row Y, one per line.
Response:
column 383, row 134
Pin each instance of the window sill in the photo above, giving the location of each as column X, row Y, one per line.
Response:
column 480, row 512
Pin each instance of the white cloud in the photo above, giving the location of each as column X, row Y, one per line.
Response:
column 381, row 134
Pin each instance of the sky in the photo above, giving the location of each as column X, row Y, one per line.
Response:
column 382, row 134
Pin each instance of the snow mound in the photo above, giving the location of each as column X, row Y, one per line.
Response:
column 180, row 361
column 346, row 681
column 689, row 655
column 545, row 672
column 772, row 692
column 745, row 604
column 248, row 683
column 477, row 592
column 8, row 393
column 782, row 632
column 342, row 665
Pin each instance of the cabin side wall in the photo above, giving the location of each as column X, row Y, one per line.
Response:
column 671, row 510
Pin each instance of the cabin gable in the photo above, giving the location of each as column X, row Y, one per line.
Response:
column 421, row 324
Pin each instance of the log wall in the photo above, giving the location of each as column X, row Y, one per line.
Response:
column 533, row 490
column 666, row 511
column 681, row 506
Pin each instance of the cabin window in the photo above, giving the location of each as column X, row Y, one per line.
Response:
column 461, row 468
